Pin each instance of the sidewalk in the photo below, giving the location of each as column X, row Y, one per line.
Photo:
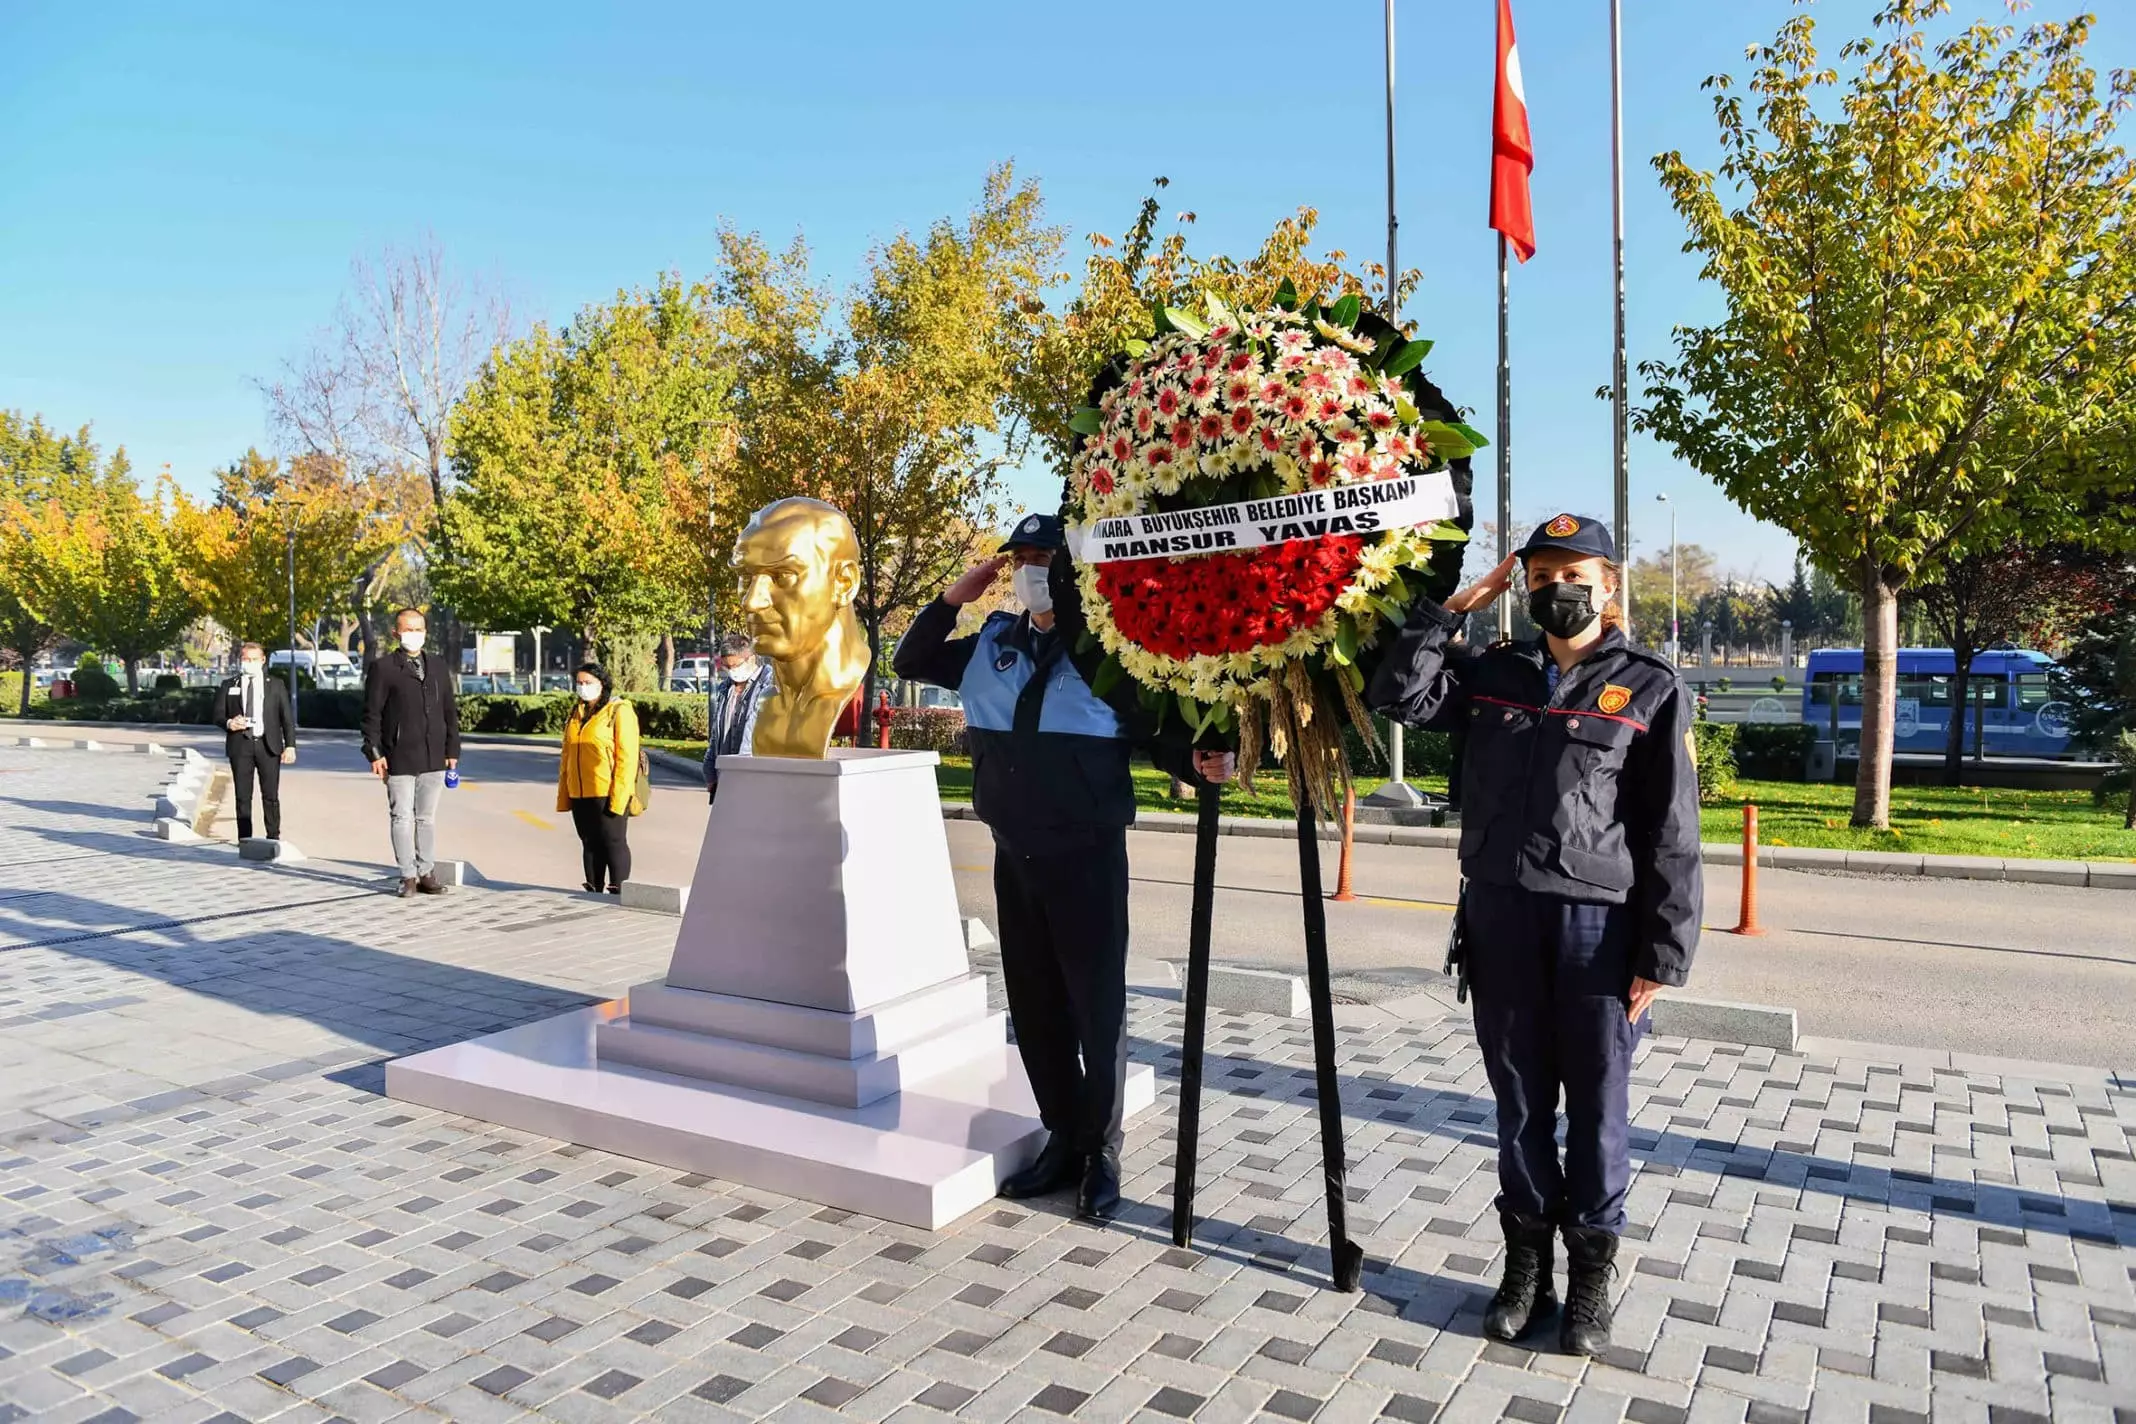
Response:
column 209, row 1212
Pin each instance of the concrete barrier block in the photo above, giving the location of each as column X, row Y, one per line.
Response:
column 87, row 744
column 1258, row 991
column 660, row 899
column 2110, row 875
column 1883, row 862
column 1962, row 867
column 1759, row 1025
column 1805, row 858
column 976, row 935
column 260, row 848
column 194, row 758
column 2046, row 872
column 177, row 807
column 170, row 828
column 39, row 742
column 455, row 872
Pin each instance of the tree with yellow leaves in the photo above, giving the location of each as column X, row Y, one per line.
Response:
column 110, row 568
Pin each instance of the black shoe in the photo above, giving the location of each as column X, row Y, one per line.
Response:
column 1525, row 1296
column 1055, row 1167
column 428, row 885
column 1098, row 1199
column 407, row 886
column 1590, row 1265
column 615, row 889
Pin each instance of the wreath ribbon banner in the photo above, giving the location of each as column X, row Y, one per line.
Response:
column 1371, row 508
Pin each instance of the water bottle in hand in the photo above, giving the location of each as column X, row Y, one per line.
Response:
column 452, row 777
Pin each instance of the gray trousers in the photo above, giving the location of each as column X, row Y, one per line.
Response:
column 412, row 803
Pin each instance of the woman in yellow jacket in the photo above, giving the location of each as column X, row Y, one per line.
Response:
column 597, row 777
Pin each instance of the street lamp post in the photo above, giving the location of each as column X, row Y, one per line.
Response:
column 290, row 562
column 538, row 631
column 1676, row 647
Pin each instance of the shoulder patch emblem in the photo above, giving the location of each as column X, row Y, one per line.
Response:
column 1614, row 698
column 1005, row 660
column 1561, row 526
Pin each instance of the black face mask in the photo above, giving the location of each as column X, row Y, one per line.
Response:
column 1562, row 609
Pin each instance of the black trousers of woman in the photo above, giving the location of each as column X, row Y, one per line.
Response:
column 604, row 839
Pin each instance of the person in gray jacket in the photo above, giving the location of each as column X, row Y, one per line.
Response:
column 739, row 686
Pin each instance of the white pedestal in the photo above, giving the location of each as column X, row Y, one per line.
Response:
column 819, row 1033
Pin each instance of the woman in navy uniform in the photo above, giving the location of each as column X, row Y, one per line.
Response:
column 1051, row 779
column 1580, row 852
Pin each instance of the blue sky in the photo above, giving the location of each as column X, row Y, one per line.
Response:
column 185, row 185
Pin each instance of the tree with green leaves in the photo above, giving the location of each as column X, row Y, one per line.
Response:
column 112, row 575
column 894, row 401
column 1929, row 289
column 583, row 463
column 41, row 470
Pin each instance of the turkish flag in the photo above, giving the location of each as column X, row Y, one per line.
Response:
column 1512, row 156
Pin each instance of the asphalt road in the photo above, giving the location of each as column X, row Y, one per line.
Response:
column 2027, row 971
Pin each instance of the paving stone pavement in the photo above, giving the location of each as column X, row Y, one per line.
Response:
column 208, row 1212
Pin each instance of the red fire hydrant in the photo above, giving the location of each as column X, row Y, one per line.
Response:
column 882, row 719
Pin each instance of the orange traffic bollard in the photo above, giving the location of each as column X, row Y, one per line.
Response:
column 882, row 721
column 1749, row 924
column 1342, row 869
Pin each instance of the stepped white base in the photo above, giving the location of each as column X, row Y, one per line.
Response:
column 924, row 1156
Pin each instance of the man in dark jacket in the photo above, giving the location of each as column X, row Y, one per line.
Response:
column 254, row 710
column 411, row 737
column 740, row 683
column 1051, row 779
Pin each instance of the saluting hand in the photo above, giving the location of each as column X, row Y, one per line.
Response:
column 1484, row 591
column 977, row 579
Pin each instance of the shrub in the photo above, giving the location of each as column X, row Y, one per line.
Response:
column 11, row 693
column 1714, row 745
column 169, row 682
column 93, row 684
column 1723, row 684
column 1779, row 682
column 928, row 729
column 1773, row 751
column 667, row 716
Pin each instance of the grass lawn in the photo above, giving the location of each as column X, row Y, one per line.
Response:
column 1935, row 820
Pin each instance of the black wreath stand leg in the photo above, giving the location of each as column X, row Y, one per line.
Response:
column 1346, row 1257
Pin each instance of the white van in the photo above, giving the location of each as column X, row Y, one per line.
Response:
column 329, row 667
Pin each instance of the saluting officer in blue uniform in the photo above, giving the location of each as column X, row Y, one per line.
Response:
column 1580, row 848
column 1050, row 778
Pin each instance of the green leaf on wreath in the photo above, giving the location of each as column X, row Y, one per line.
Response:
column 1355, row 676
column 1388, row 345
column 1287, row 295
column 1085, row 641
column 1107, row 676
column 1394, row 613
column 1344, row 313
column 1181, row 321
column 1346, row 640
column 1447, row 441
column 1087, row 420
column 1405, row 412
column 1219, row 314
column 1445, row 532
column 1136, row 347
column 1408, row 358
column 1472, row 435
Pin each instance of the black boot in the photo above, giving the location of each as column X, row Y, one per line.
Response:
column 1525, row 1296
column 1590, row 1265
column 1098, row 1199
column 1056, row 1166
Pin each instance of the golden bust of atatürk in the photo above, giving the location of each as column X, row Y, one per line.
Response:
column 799, row 566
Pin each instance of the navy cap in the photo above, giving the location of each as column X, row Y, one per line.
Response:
column 1573, row 534
column 1035, row 531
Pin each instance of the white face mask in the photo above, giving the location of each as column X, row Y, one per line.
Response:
column 743, row 673
column 251, row 666
column 412, row 640
column 1029, row 582
column 589, row 692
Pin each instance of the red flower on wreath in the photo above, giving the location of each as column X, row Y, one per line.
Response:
column 1228, row 602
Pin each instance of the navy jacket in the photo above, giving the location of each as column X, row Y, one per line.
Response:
column 741, row 733
column 1050, row 759
column 1589, row 793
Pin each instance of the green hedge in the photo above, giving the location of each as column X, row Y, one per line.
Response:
column 929, row 729
column 1715, row 746
column 92, row 683
column 11, row 694
column 670, row 716
column 1773, row 751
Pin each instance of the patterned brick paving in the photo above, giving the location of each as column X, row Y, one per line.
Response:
column 207, row 1211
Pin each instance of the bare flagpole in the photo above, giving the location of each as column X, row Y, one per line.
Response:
column 1621, row 469
column 1397, row 791
column 1505, row 441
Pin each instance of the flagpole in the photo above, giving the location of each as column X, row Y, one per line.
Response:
column 1397, row 792
column 1505, row 441
column 1620, row 469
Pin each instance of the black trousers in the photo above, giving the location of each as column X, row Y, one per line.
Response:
column 1063, row 915
column 248, row 760
column 1551, row 982
column 604, row 841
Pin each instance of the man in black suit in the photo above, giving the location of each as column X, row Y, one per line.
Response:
column 263, row 738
